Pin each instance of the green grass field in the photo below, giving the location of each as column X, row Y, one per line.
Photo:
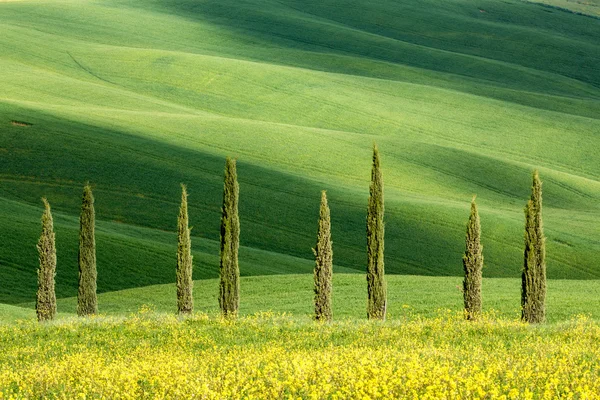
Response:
column 136, row 96
column 409, row 297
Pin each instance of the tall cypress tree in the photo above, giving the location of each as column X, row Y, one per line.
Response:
column 45, row 305
column 229, row 285
column 185, row 300
column 376, row 285
column 473, row 265
column 533, row 279
column 87, row 303
column 323, row 264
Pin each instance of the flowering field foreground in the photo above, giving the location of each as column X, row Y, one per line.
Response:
column 149, row 355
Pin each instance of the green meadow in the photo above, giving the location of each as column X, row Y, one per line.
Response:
column 138, row 96
column 409, row 298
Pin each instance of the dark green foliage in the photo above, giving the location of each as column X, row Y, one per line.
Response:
column 533, row 279
column 376, row 286
column 185, row 284
column 87, row 303
column 473, row 265
column 229, row 286
column 45, row 305
column 323, row 264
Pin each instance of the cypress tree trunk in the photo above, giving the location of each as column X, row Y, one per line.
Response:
column 376, row 285
column 45, row 305
column 323, row 264
column 473, row 265
column 533, row 279
column 86, row 295
column 229, row 285
column 185, row 300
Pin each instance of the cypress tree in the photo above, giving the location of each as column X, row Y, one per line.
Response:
column 376, row 285
column 45, row 305
column 87, row 303
column 323, row 264
column 185, row 301
column 533, row 279
column 473, row 265
column 229, row 285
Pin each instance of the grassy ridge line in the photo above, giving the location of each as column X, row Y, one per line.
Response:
column 169, row 122
column 570, row 189
column 408, row 297
column 413, row 122
column 229, row 42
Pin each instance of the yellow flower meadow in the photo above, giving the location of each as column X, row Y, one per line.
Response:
column 148, row 356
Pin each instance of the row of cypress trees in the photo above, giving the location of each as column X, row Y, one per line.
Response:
column 533, row 287
column 229, row 271
column 533, row 276
column 87, row 303
column 376, row 285
column 229, row 283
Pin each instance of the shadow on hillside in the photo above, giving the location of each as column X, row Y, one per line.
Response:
column 136, row 182
column 452, row 38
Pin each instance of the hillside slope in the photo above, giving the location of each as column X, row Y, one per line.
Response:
column 137, row 96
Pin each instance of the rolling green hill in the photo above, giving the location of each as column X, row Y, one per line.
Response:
column 137, row 96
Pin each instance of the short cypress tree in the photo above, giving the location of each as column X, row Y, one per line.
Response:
column 229, row 285
column 473, row 265
column 323, row 264
column 185, row 301
column 87, row 303
column 45, row 305
column 533, row 279
column 376, row 286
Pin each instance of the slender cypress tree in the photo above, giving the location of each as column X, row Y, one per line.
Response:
column 323, row 264
column 87, row 303
column 45, row 305
column 533, row 280
column 185, row 284
column 376, row 285
column 473, row 265
column 229, row 285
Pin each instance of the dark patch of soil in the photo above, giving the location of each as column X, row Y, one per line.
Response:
column 20, row 123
